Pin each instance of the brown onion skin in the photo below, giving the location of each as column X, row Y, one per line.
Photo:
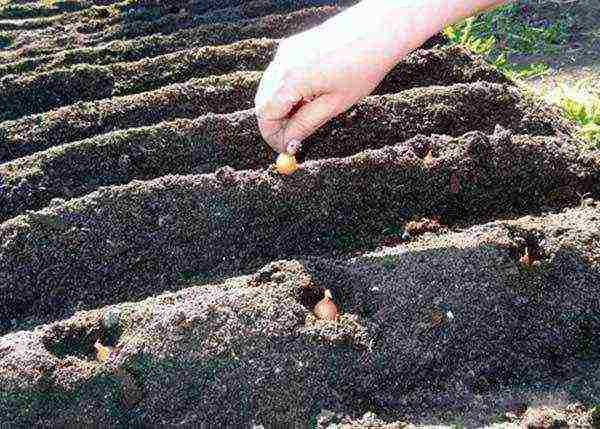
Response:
column 326, row 308
column 286, row 164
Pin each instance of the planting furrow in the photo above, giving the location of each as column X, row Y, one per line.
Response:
column 123, row 242
column 38, row 10
column 98, row 14
column 212, row 141
column 170, row 23
column 273, row 26
column 39, row 92
column 105, row 14
column 407, row 334
column 442, row 66
column 152, row 73
column 20, row 96
column 217, row 94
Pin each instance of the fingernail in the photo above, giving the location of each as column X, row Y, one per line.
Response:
column 293, row 146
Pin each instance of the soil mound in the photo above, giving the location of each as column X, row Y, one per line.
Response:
column 451, row 215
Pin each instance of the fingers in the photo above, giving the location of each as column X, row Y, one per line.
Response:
column 309, row 117
column 287, row 133
column 274, row 100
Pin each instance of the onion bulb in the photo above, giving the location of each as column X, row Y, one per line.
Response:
column 102, row 352
column 286, row 164
column 326, row 308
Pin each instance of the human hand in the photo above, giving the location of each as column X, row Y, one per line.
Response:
column 315, row 76
column 322, row 72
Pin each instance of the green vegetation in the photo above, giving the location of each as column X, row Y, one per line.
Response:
column 581, row 104
column 595, row 417
column 6, row 40
column 497, row 34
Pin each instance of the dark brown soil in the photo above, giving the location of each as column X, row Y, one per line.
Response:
column 144, row 213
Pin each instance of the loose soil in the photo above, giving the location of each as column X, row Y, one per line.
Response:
column 139, row 208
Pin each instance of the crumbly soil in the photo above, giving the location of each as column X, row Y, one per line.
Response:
column 145, row 214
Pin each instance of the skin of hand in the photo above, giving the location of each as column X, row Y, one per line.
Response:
column 322, row 72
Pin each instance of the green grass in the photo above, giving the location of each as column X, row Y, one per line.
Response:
column 581, row 104
column 595, row 417
column 6, row 40
column 497, row 34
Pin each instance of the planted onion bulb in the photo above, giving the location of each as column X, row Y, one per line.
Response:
column 526, row 260
column 286, row 164
column 102, row 352
column 326, row 308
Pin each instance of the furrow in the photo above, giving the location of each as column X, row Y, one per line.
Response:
column 40, row 92
column 175, row 22
column 101, row 13
column 442, row 66
column 39, row 9
column 20, row 96
column 274, row 26
column 124, row 242
column 211, row 141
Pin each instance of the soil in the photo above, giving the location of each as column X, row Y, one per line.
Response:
column 454, row 217
column 579, row 60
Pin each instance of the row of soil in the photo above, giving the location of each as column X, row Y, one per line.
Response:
column 274, row 26
column 124, row 242
column 42, row 9
column 109, row 11
column 250, row 341
column 170, row 23
column 225, row 94
column 101, row 25
column 102, row 14
column 40, row 92
column 212, row 141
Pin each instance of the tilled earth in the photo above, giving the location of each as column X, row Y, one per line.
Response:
column 453, row 216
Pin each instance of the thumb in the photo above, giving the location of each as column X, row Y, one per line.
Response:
column 308, row 119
